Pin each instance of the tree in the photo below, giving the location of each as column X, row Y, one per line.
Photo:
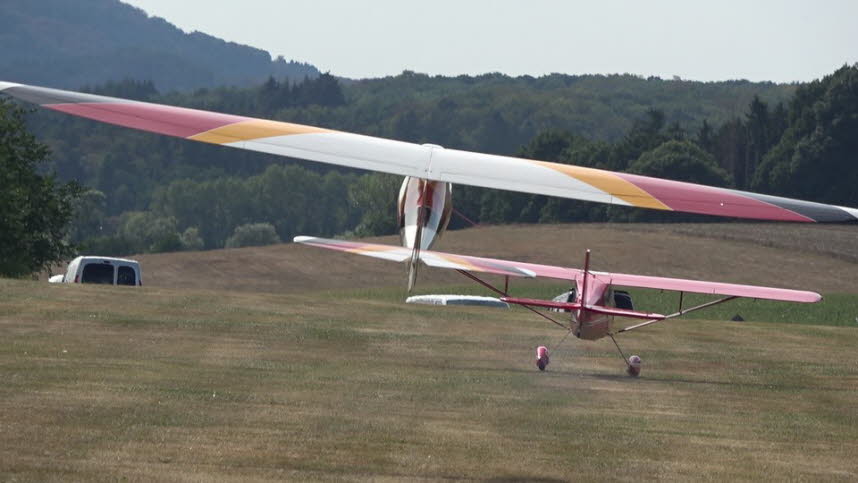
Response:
column 35, row 209
column 89, row 216
column 681, row 161
column 816, row 156
column 126, row 89
column 191, row 239
column 375, row 196
column 705, row 137
column 676, row 160
column 730, row 149
column 548, row 145
column 253, row 235
column 646, row 134
column 759, row 136
column 150, row 233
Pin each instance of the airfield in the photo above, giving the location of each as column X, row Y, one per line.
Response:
column 290, row 362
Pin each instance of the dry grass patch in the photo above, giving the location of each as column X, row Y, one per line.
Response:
column 105, row 383
column 818, row 257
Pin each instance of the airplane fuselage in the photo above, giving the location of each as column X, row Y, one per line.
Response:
column 587, row 324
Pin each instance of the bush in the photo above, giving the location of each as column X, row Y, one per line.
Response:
column 253, row 235
column 191, row 239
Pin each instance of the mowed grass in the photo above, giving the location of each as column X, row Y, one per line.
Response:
column 108, row 383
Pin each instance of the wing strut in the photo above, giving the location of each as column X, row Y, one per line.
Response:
column 678, row 314
column 499, row 292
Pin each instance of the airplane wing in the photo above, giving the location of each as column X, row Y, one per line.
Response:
column 428, row 161
column 532, row 270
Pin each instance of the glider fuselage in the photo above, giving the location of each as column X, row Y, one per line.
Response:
column 423, row 211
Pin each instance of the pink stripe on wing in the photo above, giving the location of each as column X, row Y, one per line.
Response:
column 172, row 121
column 707, row 200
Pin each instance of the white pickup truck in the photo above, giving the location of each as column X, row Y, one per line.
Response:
column 103, row 270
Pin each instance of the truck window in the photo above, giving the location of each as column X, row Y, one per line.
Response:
column 126, row 276
column 97, row 273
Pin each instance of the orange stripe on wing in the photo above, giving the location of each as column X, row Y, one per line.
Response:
column 369, row 248
column 609, row 183
column 254, row 129
column 459, row 261
column 484, row 265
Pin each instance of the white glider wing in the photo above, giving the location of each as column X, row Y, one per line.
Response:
column 429, row 162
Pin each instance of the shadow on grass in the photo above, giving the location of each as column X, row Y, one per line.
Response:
column 511, row 478
column 704, row 382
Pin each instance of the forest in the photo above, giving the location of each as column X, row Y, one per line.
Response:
column 152, row 193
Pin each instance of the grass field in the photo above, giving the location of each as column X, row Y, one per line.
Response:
column 195, row 384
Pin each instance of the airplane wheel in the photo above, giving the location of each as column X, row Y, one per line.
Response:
column 634, row 366
column 542, row 359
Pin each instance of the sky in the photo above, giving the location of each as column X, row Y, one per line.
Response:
column 758, row 40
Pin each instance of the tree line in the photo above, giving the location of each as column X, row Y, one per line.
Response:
column 804, row 148
column 152, row 193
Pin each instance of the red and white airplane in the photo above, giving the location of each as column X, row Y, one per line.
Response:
column 593, row 303
column 425, row 199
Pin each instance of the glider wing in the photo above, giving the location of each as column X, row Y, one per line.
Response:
column 427, row 161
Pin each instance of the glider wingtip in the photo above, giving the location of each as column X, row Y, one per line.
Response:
column 807, row 298
column 851, row 211
column 7, row 85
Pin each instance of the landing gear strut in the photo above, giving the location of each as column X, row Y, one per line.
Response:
column 633, row 362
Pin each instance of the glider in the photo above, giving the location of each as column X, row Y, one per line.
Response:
column 425, row 199
column 429, row 162
column 593, row 302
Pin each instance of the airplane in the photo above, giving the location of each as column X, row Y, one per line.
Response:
column 594, row 302
column 425, row 197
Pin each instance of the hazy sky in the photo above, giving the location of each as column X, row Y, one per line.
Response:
column 758, row 40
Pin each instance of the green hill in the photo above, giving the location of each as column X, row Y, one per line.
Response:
column 71, row 44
